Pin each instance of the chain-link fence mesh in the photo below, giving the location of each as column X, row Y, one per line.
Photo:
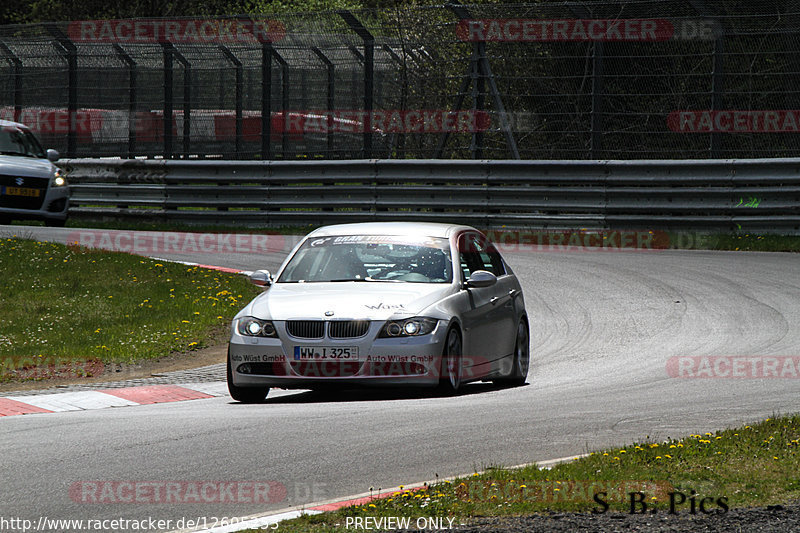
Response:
column 551, row 80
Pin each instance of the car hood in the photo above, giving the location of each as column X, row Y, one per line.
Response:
column 25, row 166
column 346, row 300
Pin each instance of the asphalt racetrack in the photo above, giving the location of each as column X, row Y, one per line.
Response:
column 606, row 327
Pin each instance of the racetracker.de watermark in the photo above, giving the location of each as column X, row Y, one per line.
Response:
column 579, row 30
column 735, row 121
column 374, row 366
column 142, row 523
column 194, row 31
column 177, row 492
column 386, row 121
column 156, row 242
column 596, row 241
column 734, row 367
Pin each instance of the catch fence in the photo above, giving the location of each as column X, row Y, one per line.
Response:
column 641, row 79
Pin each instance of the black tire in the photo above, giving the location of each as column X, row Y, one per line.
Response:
column 450, row 378
column 244, row 394
column 522, row 357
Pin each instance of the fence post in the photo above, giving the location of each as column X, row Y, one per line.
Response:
column 266, row 100
column 717, row 91
column 187, row 99
column 16, row 62
column 596, row 116
column 167, row 118
column 70, row 53
column 471, row 79
column 717, row 70
column 331, row 69
column 478, row 99
column 237, row 98
column 369, row 75
column 132, row 121
column 485, row 73
column 398, row 139
column 284, row 102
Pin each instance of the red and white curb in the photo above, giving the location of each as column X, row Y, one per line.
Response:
column 270, row 519
column 102, row 398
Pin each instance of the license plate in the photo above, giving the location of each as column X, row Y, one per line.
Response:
column 326, row 353
column 22, row 191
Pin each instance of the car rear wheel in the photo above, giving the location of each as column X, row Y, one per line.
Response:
column 450, row 376
column 519, row 369
column 245, row 394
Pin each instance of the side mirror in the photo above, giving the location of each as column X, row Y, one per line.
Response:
column 53, row 155
column 262, row 278
column 481, row 278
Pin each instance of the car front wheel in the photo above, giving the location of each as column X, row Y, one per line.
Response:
column 450, row 376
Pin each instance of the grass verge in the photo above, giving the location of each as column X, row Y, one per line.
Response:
column 754, row 465
column 67, row 306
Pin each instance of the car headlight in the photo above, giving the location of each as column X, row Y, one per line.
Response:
column 409, row 327
column 255, row 327
column 59, row 178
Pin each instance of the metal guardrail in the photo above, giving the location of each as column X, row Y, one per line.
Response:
column 759, row 195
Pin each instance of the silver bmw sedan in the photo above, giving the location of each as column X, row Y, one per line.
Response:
column 382, row 304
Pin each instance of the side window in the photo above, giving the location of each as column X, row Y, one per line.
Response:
column 495, row 264
column 476, row 254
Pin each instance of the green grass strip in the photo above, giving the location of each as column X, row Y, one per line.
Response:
column 754, row 465
column 69, row 304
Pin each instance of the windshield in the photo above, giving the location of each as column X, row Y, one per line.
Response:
column 16, row 141
column 370, row 258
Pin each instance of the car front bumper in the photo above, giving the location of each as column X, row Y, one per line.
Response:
column 55, row 206
column 399, row 361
